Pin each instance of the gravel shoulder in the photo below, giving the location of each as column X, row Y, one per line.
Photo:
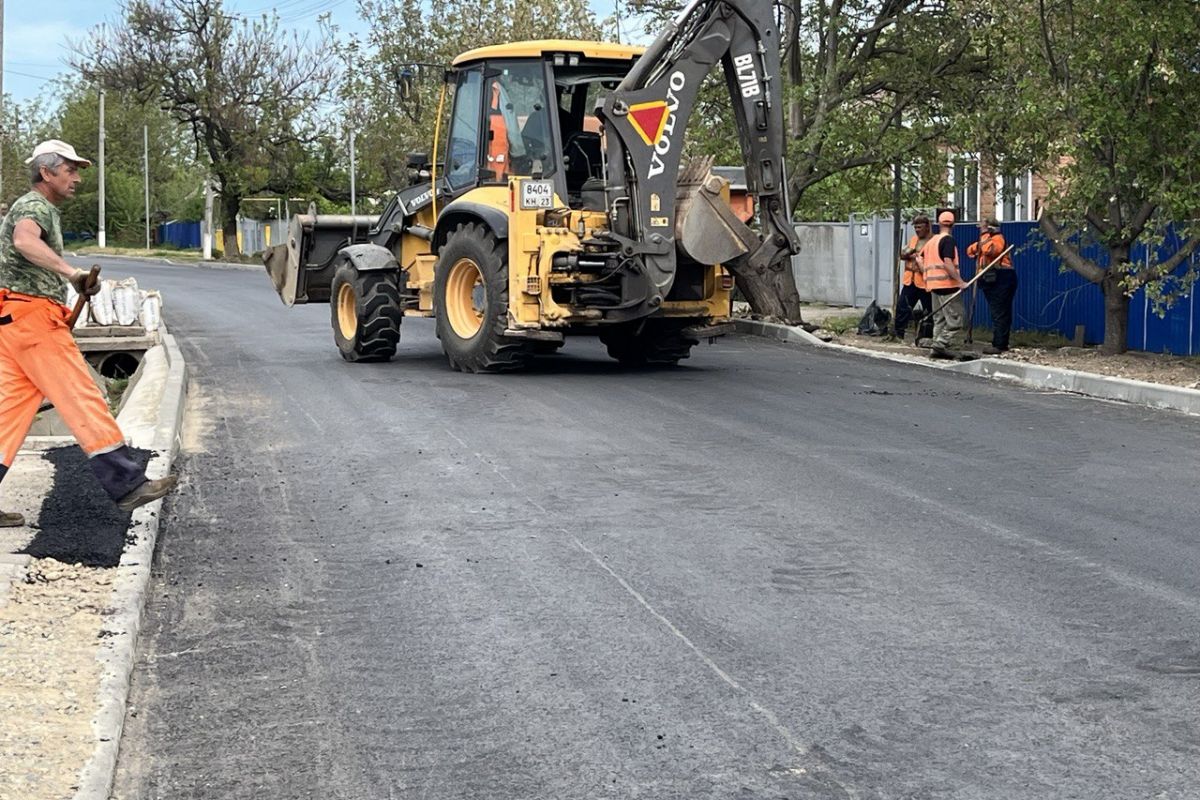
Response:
column 49, row 677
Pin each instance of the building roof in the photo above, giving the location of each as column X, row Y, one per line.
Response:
column 540, row 47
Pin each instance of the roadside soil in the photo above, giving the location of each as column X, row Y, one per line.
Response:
column 1162, row 368
column 839, row 325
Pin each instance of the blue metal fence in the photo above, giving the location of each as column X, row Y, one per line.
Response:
column 1051, row 297
column 180, row 233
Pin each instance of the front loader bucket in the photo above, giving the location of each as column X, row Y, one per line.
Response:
column 706, row 229
column 302, row 269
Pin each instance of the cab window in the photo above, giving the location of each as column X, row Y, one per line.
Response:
column 518, row 136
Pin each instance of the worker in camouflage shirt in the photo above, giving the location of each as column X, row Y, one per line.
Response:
column 18, row 273
column 38, row 355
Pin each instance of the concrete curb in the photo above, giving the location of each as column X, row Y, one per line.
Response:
column 152, row 419
column 164, row 260
column 1033, row 376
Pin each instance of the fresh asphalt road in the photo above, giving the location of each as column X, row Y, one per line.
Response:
column 774, row 572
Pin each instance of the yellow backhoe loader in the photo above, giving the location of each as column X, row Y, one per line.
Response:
column 558, row 204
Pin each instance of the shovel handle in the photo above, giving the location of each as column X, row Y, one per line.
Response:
column 93, row 274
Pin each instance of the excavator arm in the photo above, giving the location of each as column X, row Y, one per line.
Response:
column 654, row 208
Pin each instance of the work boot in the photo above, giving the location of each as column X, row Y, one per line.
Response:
column 992, row 350
column 147, row 492
column 938, row 351
column 11, row 519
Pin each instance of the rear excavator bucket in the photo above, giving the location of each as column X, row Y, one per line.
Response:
column 302, row 269
column 706, row 229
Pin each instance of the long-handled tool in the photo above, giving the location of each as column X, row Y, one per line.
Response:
column 81, row 301
column 977, row 276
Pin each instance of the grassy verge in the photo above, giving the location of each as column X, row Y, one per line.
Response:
column 153, row 252
column 163, row 252
column 841, row 324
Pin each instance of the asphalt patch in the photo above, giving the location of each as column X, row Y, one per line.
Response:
column 78, row 523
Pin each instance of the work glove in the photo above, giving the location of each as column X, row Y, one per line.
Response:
column 80, row 281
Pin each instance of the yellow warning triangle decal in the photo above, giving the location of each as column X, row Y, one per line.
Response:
column 649, row 119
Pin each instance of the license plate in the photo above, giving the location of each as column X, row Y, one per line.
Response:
column 537, row 194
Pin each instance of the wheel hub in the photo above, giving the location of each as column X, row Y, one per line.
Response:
column 347, row 306
column 466, row 298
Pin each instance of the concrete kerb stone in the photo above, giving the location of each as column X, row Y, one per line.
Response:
column 164, row 260
column 1173, row 398
column 152, row 419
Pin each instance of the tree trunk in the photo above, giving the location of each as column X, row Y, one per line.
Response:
column 229, row 211
column 772, row 294
column 1116, row 311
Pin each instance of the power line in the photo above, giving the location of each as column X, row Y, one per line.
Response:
column 43, row 78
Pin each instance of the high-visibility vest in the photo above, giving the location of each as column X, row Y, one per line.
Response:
column 936, row 275
column 987, row 248
column 912, row 269
column 497, row 150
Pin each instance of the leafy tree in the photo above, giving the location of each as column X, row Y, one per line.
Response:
column 868, row 83
column 248, row 93
column 175, row 179
column 1101, row 96
column 23, row 125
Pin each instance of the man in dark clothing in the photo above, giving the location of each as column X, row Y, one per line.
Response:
column 999, row 283
column 912, row 282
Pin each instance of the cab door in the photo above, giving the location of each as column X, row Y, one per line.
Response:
column 464, row 147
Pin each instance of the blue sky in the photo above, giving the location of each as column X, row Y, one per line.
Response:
column 36, row 43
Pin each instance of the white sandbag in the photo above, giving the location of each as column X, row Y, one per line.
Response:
column 101, row 302
column 151, row 310
column 126, row 301
column 72, row 296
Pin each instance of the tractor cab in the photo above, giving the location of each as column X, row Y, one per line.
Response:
column 528, row 109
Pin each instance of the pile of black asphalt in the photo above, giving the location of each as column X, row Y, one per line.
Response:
column 78, row 523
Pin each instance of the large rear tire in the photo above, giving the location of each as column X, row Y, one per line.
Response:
column 648, row 343
column 366, row 310
column 470, row 298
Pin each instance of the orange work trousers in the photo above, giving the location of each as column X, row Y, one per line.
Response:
column 39, row 358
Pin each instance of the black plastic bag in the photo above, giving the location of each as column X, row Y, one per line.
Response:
column 875, row 322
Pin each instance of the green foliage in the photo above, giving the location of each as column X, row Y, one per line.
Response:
column 422, row 38
column 867, row 83
column 1102, row 96
column 247, row 92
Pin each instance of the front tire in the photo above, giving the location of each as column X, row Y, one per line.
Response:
column 366, row 310
column 470, row 295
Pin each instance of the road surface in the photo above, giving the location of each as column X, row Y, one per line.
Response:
column 773, row 572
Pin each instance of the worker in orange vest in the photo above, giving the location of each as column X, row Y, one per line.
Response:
column 999, row 283
column 912, row 282
column 497, row 149
column 939, row 260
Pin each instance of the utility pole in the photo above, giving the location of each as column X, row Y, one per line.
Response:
column 897, row 244
column 352, row 197
column 3, row 130
column 100, row 164
column 207, row 234
column 146, row 180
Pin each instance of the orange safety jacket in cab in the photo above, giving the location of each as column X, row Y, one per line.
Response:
column 987, row 248
column 937, row 277
column 497, row 150
column 912, row 269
